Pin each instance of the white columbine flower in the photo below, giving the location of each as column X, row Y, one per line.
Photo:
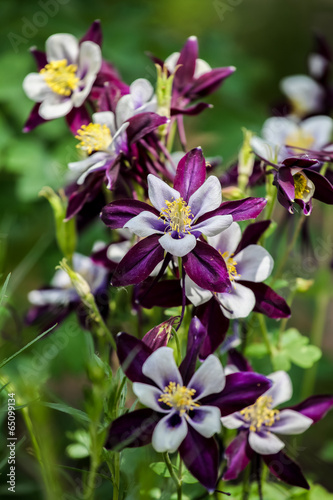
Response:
column 66, row 80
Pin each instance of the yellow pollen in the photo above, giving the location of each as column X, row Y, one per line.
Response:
column 231, row 265
column 260, row 413
column 93, row 137
column 300, row 139
column 178, row 215
column 61, row 77
column 300, row 185
column 178, row 397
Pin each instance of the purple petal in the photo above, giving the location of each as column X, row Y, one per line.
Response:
column 142, row 124
column 167, row 293
column 237, row 359
column 77, row 117
column 238, row 456
column 196, row 335
column 323, row 188
column 201, row 457
column 132, row 353
column 252, row 234
column 132, row 430
column 40, row 58
column 159, row 335
column 191, row 110
column 94, row 33
column 139, row 262
column 34, row 119
column 83, row 194
column 217, row 325
column 190, row 174
column 186, row 62
column 205, row 266
column 241, row 390
column 314, row 407
column 209, row 82
column 116, row 214
column 249, row 208
column 285, row 181
column 281, row 466
column 268, row 302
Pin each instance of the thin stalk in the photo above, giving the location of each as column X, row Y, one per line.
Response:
column 289, row 248
column 173, row 475
column 246, row 484
column 316, row 337
column 265, row 335
column 284, row 321
column 180, row 474
column 116, row 482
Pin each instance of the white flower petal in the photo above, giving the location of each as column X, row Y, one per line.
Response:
column 178, row 247
column 291, row 422
column 51, row 297
column 317, row 65
column 124, row 109
column 93, row 168
column 264, row 149
column 94, row 274
column 161, row 368
column 141, row 91
column 206, row 420
column 281, row 390
column 208, row 379
column 254, row 263
column 82, row 165
column 55, row 106
column 238, row 302
column 277, row 129
column 265, row 443
column 167, row 436
column 149, row 395
column 117, row 251
column 228, row 241
column 159, row 192
column 171, row 61
column 320, row 128
column 62, row 46
column 201, row 68
column 213, row 226
column 195, row 293
column 145, row 224
column 105, row 118
column 207, row 198
column 35, row 87
column 234, row 421
column 303, row 91
column 90, row 59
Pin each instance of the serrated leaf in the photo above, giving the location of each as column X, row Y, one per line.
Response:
column 281, row 362
column 305, row 356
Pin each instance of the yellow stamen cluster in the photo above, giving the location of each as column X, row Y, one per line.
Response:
column 61, row 77
column 178, row 397
column 94, row 137
column 178, row 214
column 300, row 139
column 231, row 265
column 300, row 184
column 260, row 413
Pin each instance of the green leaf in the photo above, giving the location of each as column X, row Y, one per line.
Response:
column 295, row 349
column 161, row 469
column 77, row 450
column 188, row 478
column 281, row 361
column 327, row 452
column 257, row 350
column 4, row 289
column 78, row 414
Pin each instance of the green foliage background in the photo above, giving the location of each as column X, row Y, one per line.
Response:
column 266, row 40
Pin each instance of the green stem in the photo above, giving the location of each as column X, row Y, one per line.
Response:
column 265, row 335
column 271, row 197
column 180, row 474
column 246, row 484
column 289, row 248
column 116, row 482
column 284, row 321
column 316, row 337
column 173, row 475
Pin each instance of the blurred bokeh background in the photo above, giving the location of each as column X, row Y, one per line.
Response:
column 265, row 39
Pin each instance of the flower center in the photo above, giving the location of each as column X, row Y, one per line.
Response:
column 300, row 184
column 94, row 137
column 231, row 265
column 178, row 215
column 300, row 139
column 178, row 397
column 260, row 413
column 61, row 77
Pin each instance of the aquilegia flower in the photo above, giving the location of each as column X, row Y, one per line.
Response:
column 178, row 217
column 259, row 423
column 67, row 77
column 184, row 406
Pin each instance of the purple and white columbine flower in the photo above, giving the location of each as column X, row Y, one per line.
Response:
column 55, row 302
column 67, row 77
column 259, row 423
column 105, row 138
column 305, row 95
column 252, row 264
column 284, row 137
column 184, row 406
